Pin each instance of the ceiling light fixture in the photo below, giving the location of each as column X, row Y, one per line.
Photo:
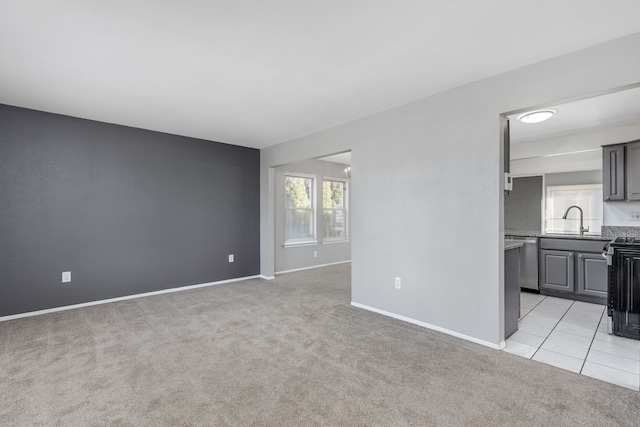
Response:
column 536, row 116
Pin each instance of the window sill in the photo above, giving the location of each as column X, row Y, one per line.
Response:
column 336, row 240
column 297, row 243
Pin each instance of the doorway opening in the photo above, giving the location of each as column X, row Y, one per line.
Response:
column 312, row 213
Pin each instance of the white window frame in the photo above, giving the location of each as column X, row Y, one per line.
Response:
column 313, row 231
column 587, row 221
column 345, row 208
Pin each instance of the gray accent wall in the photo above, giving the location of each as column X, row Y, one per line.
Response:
column 427, row 190
column 523, row 205
column 126, row 210
column 292, row 258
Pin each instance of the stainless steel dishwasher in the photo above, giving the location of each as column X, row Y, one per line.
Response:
column 528, row 261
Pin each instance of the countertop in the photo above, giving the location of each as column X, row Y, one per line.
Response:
column 531, row 233
column 510, row 244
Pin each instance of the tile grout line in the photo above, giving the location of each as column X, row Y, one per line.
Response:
column 584, row 360
column 527, row 313
column 591, row 343
column 552, row 329
column 532, row 308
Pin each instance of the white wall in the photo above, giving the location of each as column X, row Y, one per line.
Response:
column 427, row 190
column 532, row 157
column 528, row 159
column 619, row 213
column 293, row 258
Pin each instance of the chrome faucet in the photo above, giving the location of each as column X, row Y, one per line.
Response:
column 582, row 227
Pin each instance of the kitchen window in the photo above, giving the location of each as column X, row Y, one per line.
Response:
column 334, row 209
column 560, row 197
column 299, row 209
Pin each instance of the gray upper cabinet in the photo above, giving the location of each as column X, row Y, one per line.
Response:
column 633, row 170
column 613, row 177
column 621, row 171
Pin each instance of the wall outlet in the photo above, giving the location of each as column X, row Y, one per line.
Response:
column 231, row 258
column 398, row 283
column 635, row 216
column 315, row 254
column 66, row 276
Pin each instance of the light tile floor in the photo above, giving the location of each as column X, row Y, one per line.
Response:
column 572, row 335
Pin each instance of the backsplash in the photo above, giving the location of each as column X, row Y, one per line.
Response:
column 612, row 231
column 619, row 213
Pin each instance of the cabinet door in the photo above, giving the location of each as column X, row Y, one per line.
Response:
column 613, row 177
column 592, row 275
column 556, row 270
column 633, row 170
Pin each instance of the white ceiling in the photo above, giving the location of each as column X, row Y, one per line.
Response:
column 257, row 72
column 571, row 140
column 343, row 158
column 613, row 109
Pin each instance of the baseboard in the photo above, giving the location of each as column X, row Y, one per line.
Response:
column 427, row 325
column 311, row 267
column 262, row 276
column 124, row 298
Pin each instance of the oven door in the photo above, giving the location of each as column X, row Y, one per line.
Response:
column 624, row 292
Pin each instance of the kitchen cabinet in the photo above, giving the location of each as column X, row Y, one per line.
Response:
column 511, row 291
column 573, row 268
column 621, row 171
column 592, row 275
column 633, row 170
column 613, row 172
column 558, row 268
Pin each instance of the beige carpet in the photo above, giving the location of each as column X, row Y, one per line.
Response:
column 287, row 352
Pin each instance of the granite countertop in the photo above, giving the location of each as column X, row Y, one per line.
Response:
column 508, row 245
column 575, row 236
column 532, row 233
column 609, row 232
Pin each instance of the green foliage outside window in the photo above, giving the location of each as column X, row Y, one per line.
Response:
column 334, row 214
column 297, row 192
column 332, row 194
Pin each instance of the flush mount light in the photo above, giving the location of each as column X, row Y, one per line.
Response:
column 536, row 116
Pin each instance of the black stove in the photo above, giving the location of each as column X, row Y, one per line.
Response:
column 623, row 296
column 626, row 241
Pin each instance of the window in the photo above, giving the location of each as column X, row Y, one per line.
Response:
column 299, row 209
column 560, row 197
column 334, row 209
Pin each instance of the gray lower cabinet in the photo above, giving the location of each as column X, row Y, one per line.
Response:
column 511, row 291
column 573, row 268
column 556, row 270
column 592, row 275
